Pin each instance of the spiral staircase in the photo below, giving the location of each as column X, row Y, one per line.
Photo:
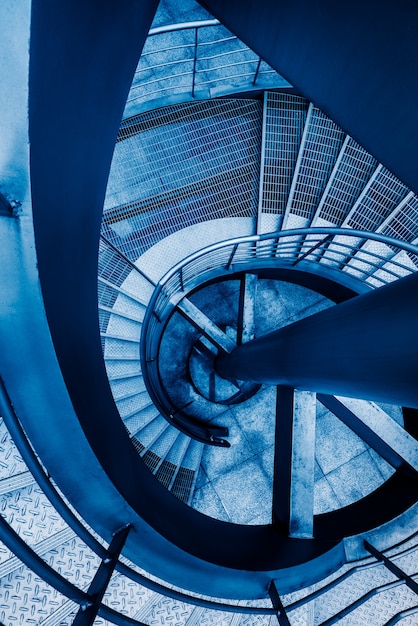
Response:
column 195, row 253
column 299, row 144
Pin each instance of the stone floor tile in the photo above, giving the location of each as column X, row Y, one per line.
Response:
column 207, row 501
column 325, row 498
column 335, row 443
column 384, row 468
column 257, row 418
column 355, row 479
column 245, row 492
column 266, row 460
column 217, row 461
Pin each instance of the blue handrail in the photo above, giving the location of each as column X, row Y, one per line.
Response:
column 241, row 253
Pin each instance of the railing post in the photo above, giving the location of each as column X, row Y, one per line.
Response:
column 181, row 279
column 234, row 249
column 256, row 71
column 88, row 613
column 277, row 603
column 196, row 31
column 408, row 580
column 312, row 249
column 275, row 247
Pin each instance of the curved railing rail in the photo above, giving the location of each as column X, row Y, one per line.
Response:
column 196, row 59
column 341, row 253
column 211, row 434
column 28, row 555
column 37, row 564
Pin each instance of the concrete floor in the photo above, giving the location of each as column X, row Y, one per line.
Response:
column 235, row 484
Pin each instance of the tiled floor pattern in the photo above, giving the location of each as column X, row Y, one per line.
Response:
column 346, row 469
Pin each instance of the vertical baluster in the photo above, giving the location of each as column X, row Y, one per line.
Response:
column 196, row 37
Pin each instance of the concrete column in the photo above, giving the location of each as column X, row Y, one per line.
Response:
column 364, row 348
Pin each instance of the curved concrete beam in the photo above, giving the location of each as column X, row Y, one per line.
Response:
column 83, row 55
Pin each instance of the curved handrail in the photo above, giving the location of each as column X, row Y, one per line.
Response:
column 210, row 434
column 28, row 555
column 188, row 80
column 237, row 253
column 29, row 457
column 170, row 28
column 350, row 232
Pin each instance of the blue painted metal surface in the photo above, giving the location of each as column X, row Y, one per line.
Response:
column 361, row 47
column 74, row 116
column 283, row 456
column 79, row 529
column 365, row 348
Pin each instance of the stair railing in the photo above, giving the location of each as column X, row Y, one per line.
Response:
column 198, row 62
column 34, row 562
column 332, row 252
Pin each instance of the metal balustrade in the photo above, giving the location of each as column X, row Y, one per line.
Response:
column 34, row 561
column 283, row 607
column 321, row 249
column 279, row 249
column 196, row 59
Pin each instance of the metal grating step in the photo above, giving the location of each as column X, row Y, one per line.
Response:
column 165, row 472
column 183, row 484
column 136, row 420
column 175, row 188
column 108, row 292
column 379, row 199
column 132, row 403
column 319, row 148
column 127, row 386
column 119, row 348
column 152, row 431
column 283, row 122
column 122, row 312
column 165, row 442
column 351, row 173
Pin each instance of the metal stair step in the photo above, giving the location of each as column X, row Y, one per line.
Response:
column 165, row 442
column 123, row 327
column 184, row 484
column 319, row 148
column 284, row 117
column 124, row 292
column 122, row 311
column 41, row 548
column 127, row 386
column 152, row 431
column 123, row 371
column 168, row 470
column 120, row 359
column 352, row 171
column 137, row 420
column 120, row 348
column 132, row 403
column 119, row 336
column 17, row 481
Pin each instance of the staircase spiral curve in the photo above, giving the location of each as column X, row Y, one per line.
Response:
column 204, row 194
column 298, row 171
